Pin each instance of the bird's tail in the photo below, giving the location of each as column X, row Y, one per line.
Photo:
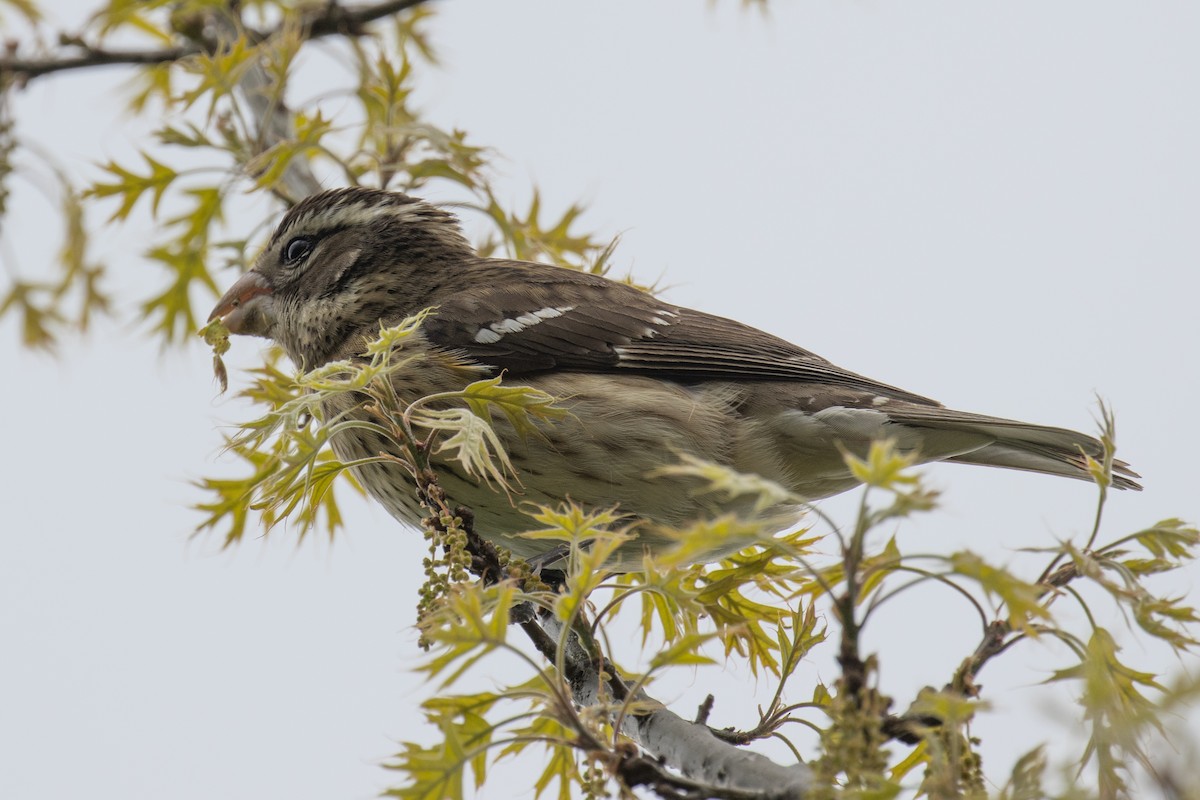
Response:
column 1020, row 445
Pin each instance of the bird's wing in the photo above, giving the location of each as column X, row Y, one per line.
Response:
column 525, row 319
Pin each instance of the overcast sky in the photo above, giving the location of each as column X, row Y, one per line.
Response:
column 993, row 204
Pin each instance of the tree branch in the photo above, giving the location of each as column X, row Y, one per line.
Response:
column 350, row 21
column 720, row 769
column 26, row 69
column 275, row 122
column 332, row 20
column 711, row 768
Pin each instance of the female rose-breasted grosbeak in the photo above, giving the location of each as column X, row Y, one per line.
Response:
column 644, row 380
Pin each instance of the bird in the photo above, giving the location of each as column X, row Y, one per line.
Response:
column 645, row 383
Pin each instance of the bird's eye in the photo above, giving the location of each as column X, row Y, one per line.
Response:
column 297, row 249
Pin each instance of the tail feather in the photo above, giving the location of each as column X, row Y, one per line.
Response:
column 1020, row 445
column 1051, row 462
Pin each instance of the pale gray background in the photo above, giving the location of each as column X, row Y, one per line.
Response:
column 994, row 204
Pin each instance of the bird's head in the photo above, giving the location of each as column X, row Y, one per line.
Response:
column 339, row 262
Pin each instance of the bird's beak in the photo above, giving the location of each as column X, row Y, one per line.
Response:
column 248, row 307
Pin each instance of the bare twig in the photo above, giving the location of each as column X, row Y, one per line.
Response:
column 705, row 709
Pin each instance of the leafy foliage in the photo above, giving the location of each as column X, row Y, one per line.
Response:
column 45, row 306
column 771, row 604
column 208, row 126
column 764, row 605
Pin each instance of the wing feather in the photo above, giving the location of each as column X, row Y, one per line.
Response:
column 538, row 318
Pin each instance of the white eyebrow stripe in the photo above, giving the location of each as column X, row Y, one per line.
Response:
column 494, row 332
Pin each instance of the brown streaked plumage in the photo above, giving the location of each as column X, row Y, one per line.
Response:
column 644, row 380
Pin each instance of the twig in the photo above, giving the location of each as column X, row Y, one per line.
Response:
column 26, row 69
column 995, row 637
column 705, row 709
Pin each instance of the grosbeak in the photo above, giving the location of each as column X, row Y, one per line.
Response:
column 645, row 382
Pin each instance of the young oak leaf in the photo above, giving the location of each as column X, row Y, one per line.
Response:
column 519, row 404
column 1021, row 599
column 216, row 336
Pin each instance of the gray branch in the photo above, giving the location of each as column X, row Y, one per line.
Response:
column 272, row 116
column 715, row 768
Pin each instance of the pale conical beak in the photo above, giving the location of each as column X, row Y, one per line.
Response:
column 248, row 307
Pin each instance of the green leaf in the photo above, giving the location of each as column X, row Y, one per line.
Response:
column 1163, row 619
column 206, row 211
column 219, row 73
column 1170, row 538
column 395, row 337
column 171, row 309
column 728, row 483
column 188, row 136
column 38, row 319
column 704, row 539
column 1027, row 774
column 469, row 440
column 918, row 757
column 434, row 773
column 134, row 14
column 410, row 34
column 877, row 567
column 270, row 166
column 884, row 466
column 593, row 536
column 528, row 239
column 1022, row 600
column 669, row 608
column 130, row 186
column 216, row 336
column 558, row 742
column 684, row 652
column 519, row 404
column 471, row 622
column 572, row 523
column 1116, row 709
column 153, row 82
column 797, row 637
